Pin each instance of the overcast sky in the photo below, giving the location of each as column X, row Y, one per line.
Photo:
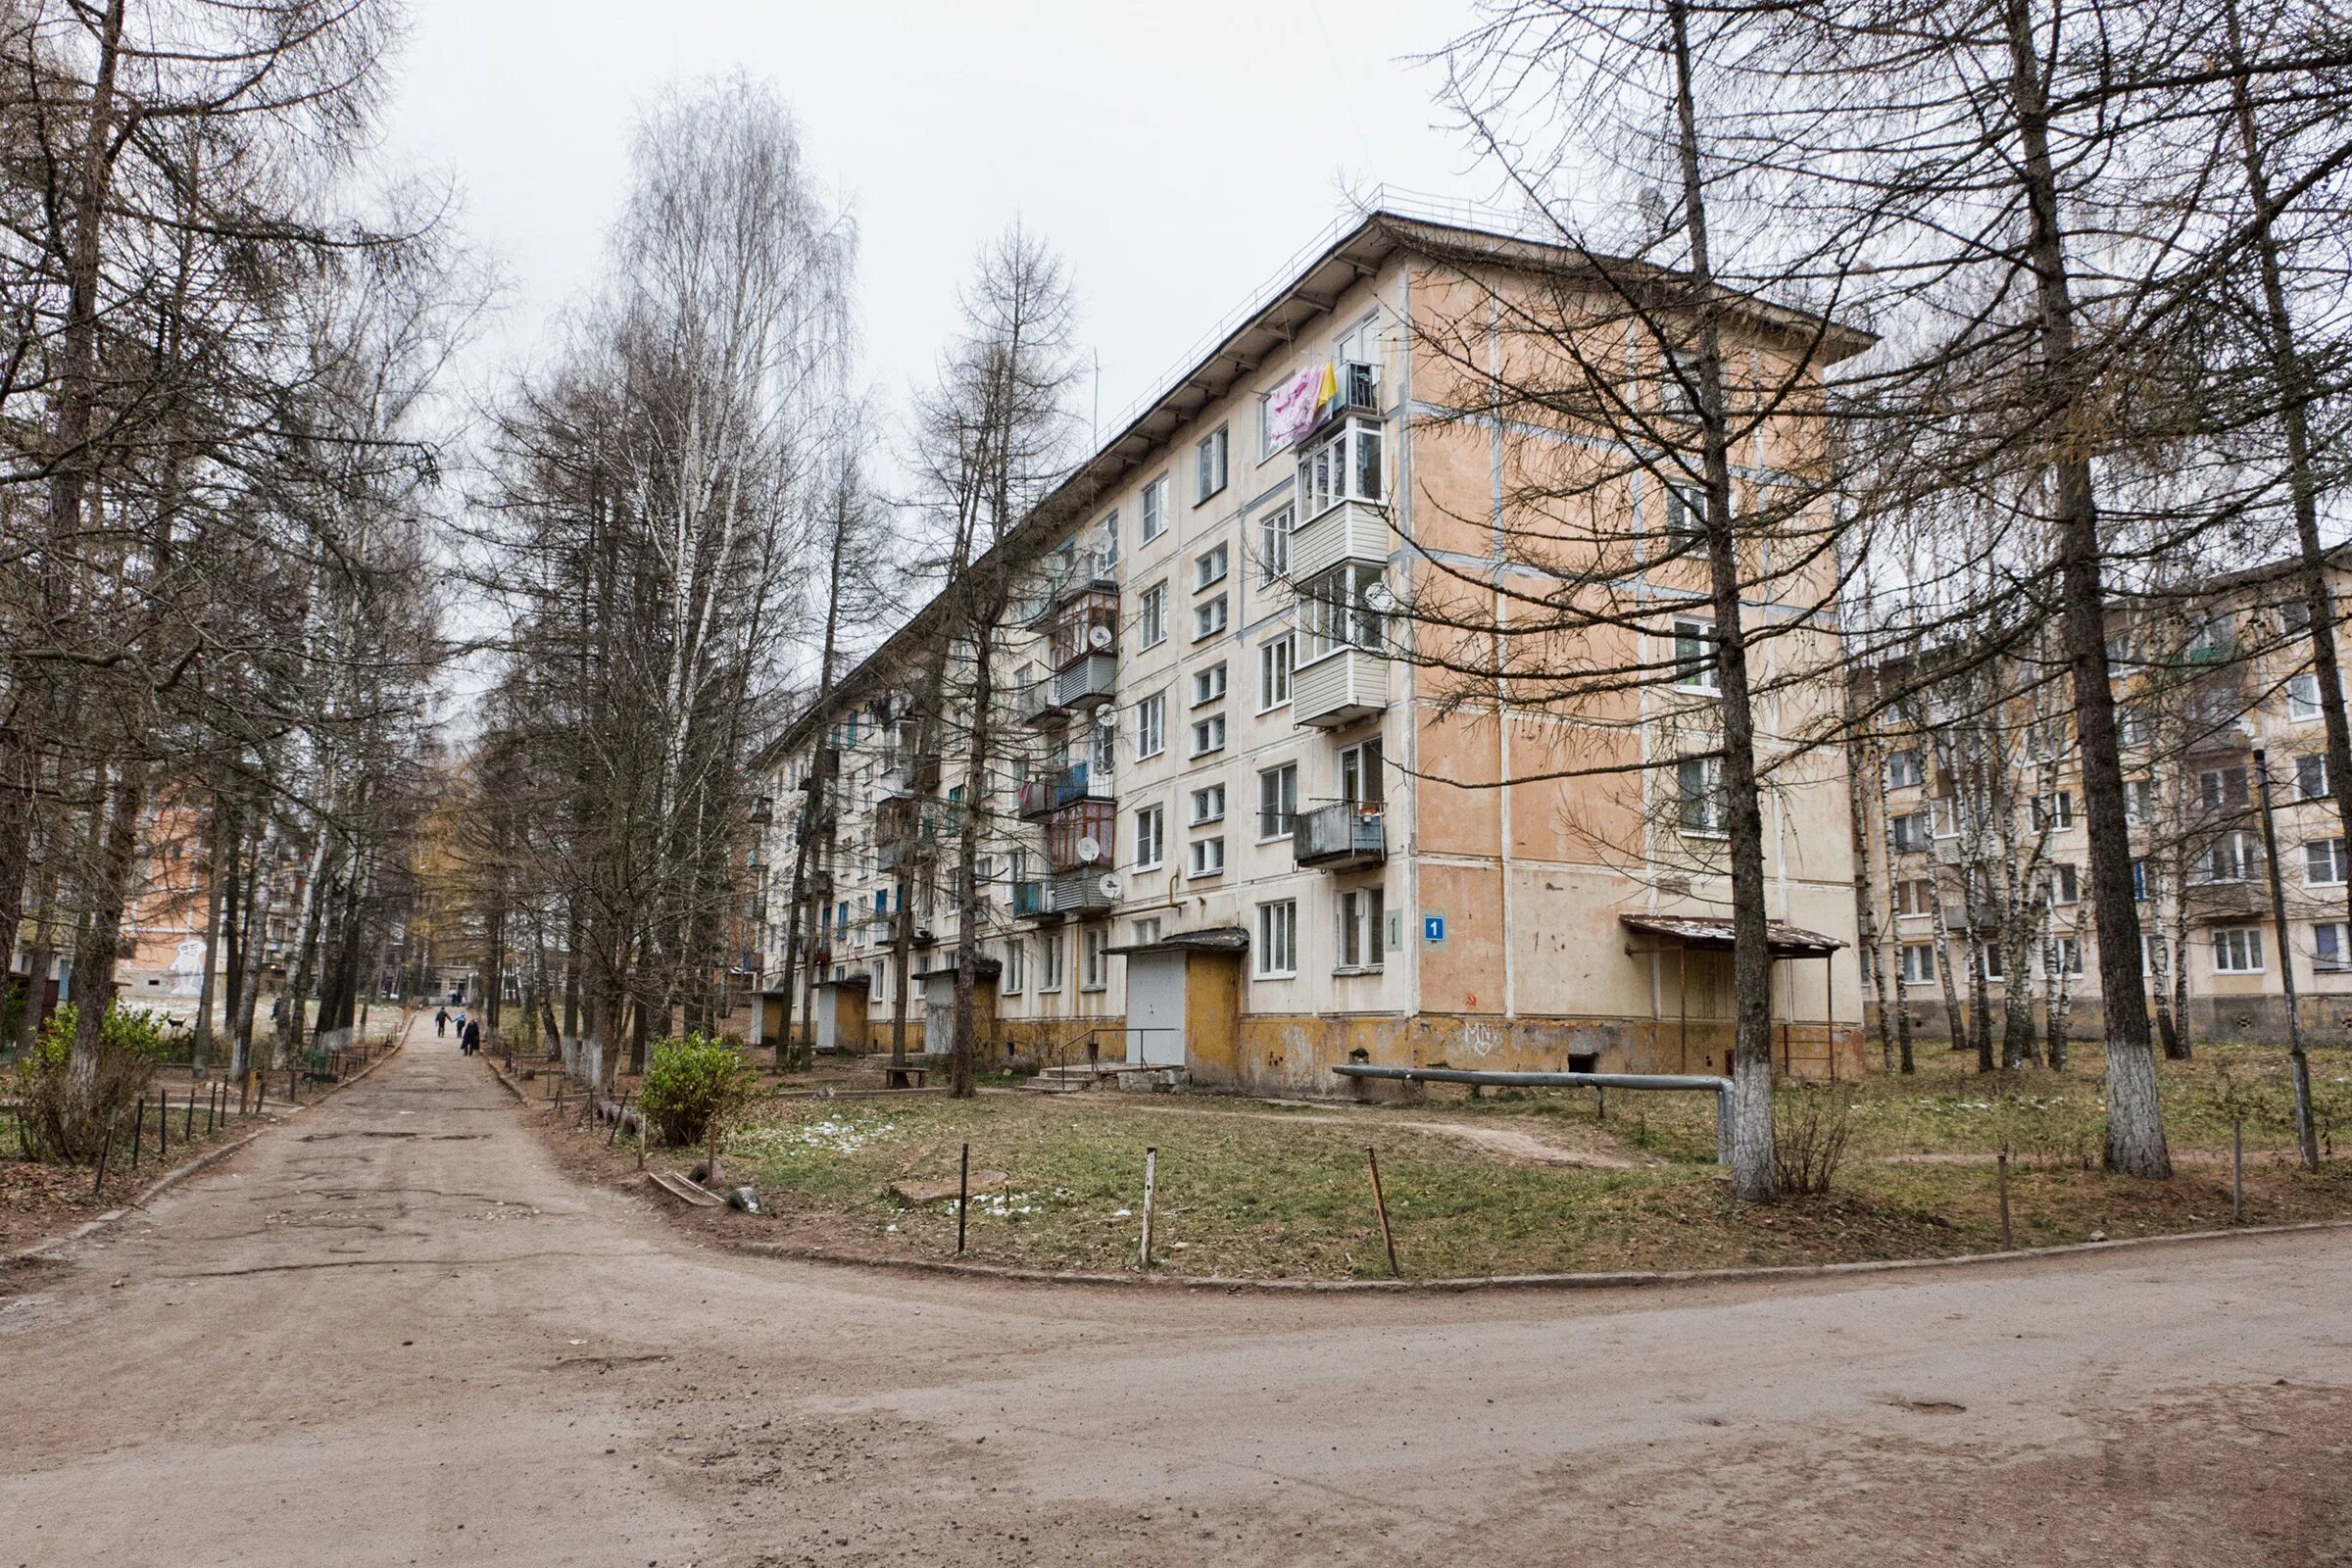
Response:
column 1176, row 156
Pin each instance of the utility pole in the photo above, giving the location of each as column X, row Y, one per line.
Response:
column 2306, row 1133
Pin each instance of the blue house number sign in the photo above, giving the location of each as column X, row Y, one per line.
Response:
column 1432, row 927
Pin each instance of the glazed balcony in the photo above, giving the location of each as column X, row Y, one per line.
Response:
column 1338, row 688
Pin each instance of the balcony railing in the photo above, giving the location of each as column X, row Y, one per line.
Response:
column 1029, row 900
column 1342, row 836
column 1087, row 572
column 1338, row 688
column 1047, row 792
column 1082, row 892
column 1087, row 682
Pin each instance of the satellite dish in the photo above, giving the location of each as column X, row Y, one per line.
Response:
column 1380, row 598
column 1098, row 637
column 1090, row 851
column 1110, row 884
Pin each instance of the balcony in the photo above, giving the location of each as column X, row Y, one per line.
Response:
column 1087, row 682
column 1357, row 391
column 1062, row 580
column 904, row 776
column 1351, row 531
column 1349, row 836
column 1089, row 892
column 1049, row 793
column 1340, row 688
column 1078, row 836
column 1029, row 902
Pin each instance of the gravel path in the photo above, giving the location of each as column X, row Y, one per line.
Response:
column 391, row 1334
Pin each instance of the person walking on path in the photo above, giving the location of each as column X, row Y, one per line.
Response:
column 441, row 1021
column 473, row 1038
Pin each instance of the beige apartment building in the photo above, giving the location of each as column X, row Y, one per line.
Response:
column 1980, row 862
column 1243, row 833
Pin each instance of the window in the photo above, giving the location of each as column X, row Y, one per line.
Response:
column 1049, row 972
column 2131, row 725
column 1274, row 545
column 1151, row 725
column 2140, row 800
column 2065, row 885
column 1277, row 801
column 1207, row 858
column 2330, row 950
column 2237, row 950
column 2143, row 882
column 1919, row 964
column 1107, row 533
column 2323, row 860
column 2155, row 954
column 1992, row 960
column 2294, row 620
column 1209, row 567
column 1915, row 896
column 1094, row 965
column 1346, row 468
column 2303, row 697
column 1208, row 684
column 1104, row 749
column 1339, row 612
column 1209, row 735
column 1278, row 940
column 1361, row 779
column 2310, row 778
column 1685, row 513
column 2221, row 787
column 2229, row 857
column 1360, row 919
column 1904, row 769
column 877, row 978
column 1208, row 617
column 1208, row 804
column 1694, row 661
column 1155, row 615
column 2053, row 810
column 1274, row 673
column 1909, row 831
column 1156, row 509
column 1145, row 931
column 2045, row 738
column 2068, row 951
column 1150, row 837
column 1698, row 789
column 1209, row 465
column 1016, row 966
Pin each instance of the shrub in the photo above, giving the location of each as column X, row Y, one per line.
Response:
column 1810, row 1125
column 65, row 1113
column 691, row 1082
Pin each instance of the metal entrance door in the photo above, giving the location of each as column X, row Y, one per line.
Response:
column 1155, row 1009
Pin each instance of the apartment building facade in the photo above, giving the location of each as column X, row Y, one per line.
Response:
column 1240, row 833
column 1977, row 830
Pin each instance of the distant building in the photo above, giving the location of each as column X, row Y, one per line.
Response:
column 1236, row 834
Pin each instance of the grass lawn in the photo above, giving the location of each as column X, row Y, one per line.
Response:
column 1525, row 1181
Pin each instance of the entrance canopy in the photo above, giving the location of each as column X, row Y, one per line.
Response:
column 1212, row 939
column 1784, row 941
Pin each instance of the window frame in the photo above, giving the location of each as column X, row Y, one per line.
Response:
column 1274, row 531
column 1155, row 839
column 1276, row 777
column 1363, row 913
column 1696, row 670
column 1273, row 669
column 1277, row 935
column 1209, row 736
column 1212, row 566
column 1152, row 616
column 1151, row 725
column 1212, row 796
column 2242, row 945
column 1215, row 447
column 1154, row 508
column 1711, row 823
column 1202, row 678
column 1212, row 618
column 1204, row 857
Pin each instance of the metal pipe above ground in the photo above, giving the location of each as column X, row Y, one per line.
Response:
column 1720, row 1088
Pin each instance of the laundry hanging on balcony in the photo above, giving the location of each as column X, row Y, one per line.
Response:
column 1291, row 412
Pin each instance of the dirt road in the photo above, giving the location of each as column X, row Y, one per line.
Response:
column 390, row 1333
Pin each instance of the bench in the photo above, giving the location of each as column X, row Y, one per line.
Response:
column 896, row 1074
